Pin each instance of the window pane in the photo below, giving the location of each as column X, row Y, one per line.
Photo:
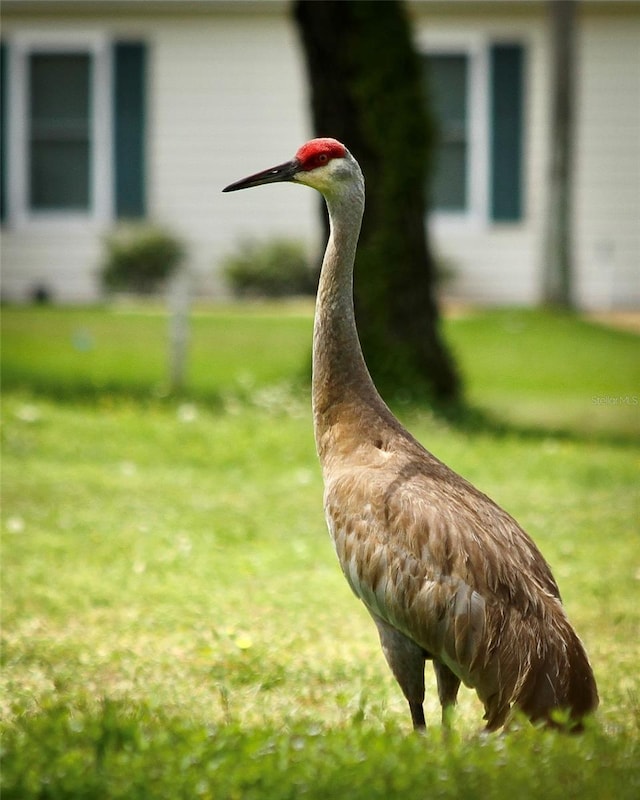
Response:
column 59, row 175
column 447, row 94
column 450, row 179
column 60, row 146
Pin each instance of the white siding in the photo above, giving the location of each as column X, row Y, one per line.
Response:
column 61, row 259
column 228, row 101
column 607, row 168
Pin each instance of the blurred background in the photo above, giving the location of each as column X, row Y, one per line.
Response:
column 144, row 110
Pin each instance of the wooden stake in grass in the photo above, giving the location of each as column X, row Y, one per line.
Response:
column 179, row 304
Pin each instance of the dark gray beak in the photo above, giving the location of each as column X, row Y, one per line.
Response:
column 283, row 172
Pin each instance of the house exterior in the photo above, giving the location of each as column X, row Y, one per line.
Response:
column 119, row 109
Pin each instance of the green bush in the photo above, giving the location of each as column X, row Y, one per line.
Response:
column 140, row 258
column 276, row 268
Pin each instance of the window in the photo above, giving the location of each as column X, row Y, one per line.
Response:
column 476, row 94
column 447, row 89
column 59, row 131
column 73, row 129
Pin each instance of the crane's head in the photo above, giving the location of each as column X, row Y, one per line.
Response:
column 320, row 163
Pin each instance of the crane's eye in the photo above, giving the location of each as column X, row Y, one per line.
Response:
column 314, row 160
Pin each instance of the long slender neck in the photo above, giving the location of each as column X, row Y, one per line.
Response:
column 342, row 386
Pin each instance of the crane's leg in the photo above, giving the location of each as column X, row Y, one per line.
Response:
column 406, row 660
column 448, row 685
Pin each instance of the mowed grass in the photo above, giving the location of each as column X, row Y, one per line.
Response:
column 91, row 352
column 175, row 624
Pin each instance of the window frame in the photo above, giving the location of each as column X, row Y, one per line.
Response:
column 21, row 47
column 476, row 49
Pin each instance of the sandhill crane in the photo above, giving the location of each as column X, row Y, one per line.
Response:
column 446, row 574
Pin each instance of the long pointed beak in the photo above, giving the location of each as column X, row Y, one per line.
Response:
column 283, row 172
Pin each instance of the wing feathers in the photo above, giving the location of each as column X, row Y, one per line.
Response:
column 440, row 562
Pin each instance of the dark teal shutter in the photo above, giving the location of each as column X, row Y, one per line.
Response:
column 507, row 97
column 4, row 85
column 129, row 129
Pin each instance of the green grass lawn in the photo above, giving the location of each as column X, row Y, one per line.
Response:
column 82, row 352
column 175, row 624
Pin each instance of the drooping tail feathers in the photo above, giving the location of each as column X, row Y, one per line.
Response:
column 537, row 665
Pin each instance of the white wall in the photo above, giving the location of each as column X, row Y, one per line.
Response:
column 227, row 97
column 607, row 167
column 228, row 100
column 503, row 263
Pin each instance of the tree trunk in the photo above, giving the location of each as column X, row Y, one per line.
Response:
column 558, row 264
column 366, row 90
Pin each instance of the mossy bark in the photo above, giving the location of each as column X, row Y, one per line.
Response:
column 366, row 90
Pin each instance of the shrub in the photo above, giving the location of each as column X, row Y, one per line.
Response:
column 276, row 268
column 140, row 258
